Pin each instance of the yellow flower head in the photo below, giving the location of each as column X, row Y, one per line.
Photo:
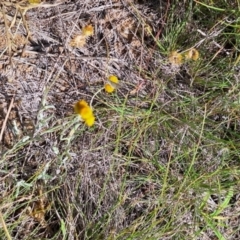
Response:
column 78, row 106
column 85, row 112
column 192, row 54
column 90, row 121
column 175, row 58
column 113, row 79
column 109, row 88
column 88, row 31
column 111, row 84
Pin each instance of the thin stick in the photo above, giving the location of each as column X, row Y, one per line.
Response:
column 6, row 118
column 5, row 227
column 95, row 94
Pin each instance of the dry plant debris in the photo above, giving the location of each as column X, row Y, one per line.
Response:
column 39, row 209
column 80, row 40
column 175, row 58
column 34, row 1
column 192, row 54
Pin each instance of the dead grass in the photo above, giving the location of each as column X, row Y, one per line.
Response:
column 161, row 161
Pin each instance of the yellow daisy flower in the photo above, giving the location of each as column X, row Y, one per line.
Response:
column 90, row 121
column 85, row 112
column 113, row 79
column 78, row 106
column 109, row 88
column 111, row 84
column 88, row 31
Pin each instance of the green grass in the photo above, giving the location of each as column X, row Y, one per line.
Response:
column 159, row 164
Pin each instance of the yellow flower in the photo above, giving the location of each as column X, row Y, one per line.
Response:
column 109, row 88
column 85, row 112
column 111, row 84
column 192, row 54
column 90, row 121
column 78, row 106
column 175, row 58
column 88, row 31
column 113, row 79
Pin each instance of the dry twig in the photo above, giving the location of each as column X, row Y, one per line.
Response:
column 6, row 118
